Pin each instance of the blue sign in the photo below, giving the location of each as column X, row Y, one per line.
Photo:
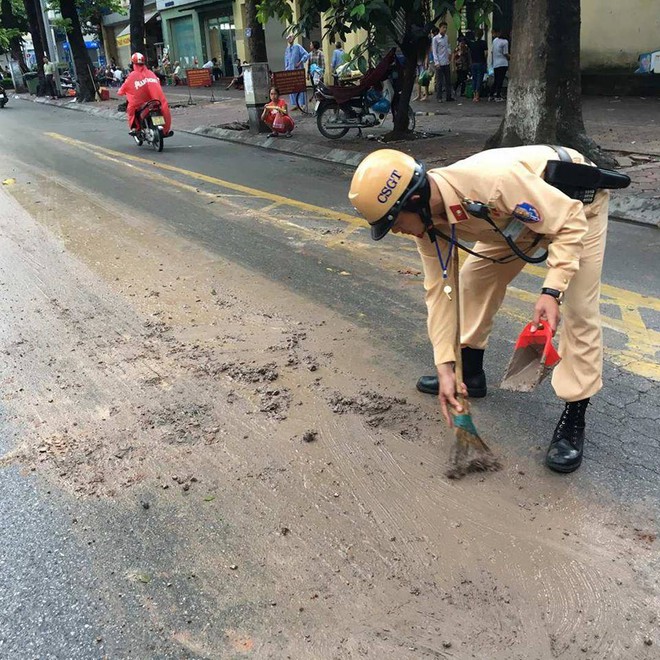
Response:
column 90, row 45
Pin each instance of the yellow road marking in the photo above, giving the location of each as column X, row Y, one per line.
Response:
column 639, row 356
column 253, row 192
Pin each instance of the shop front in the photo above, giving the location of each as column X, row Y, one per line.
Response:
column 153, row 37
column 182, row 43
column 219, row 34
column 196, row 32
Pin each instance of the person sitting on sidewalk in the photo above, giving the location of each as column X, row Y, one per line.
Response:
column 237, row 80
column 276, row 115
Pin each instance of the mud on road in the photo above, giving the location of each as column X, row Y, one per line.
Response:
column 136, row 362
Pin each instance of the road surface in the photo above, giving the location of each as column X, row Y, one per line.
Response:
column 212, row 445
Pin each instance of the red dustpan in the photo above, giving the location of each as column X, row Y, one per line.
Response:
column 533, row 358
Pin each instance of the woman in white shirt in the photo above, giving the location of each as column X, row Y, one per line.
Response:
column 500, row 64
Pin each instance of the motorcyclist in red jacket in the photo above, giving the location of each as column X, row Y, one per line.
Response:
column 141, row 86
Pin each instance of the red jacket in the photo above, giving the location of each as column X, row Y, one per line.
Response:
column 142, row 85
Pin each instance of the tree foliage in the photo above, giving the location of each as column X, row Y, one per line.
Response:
column 90, row 13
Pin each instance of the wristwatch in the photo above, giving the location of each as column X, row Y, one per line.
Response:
column 557, row 295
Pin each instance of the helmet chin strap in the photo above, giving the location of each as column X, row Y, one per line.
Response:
column 422, row 207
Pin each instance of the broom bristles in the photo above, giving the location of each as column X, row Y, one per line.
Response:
column 470, row 453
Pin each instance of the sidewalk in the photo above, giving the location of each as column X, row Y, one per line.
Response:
column 628, row 127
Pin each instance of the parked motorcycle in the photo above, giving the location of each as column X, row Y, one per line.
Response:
column 366, row 105
column 151, row 123
column 3, row 97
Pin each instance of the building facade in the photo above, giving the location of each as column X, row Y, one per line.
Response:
column 117, row 35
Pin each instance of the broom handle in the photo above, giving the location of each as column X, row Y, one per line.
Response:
column 458, row 369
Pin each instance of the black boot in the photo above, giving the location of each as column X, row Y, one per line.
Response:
column 474, row 376
column 565, row 450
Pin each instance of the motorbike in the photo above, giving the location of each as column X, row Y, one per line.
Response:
column 150, row 125
column 366, row 105
column 3, row 97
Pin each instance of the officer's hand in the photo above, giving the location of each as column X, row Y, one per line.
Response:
column 447, row 392
column 546, row 310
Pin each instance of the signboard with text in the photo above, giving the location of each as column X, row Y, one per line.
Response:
column 288, row 82
column 199, row 77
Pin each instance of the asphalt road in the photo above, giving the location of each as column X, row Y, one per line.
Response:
column 46, row 613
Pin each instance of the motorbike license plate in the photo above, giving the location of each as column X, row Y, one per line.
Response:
column 158, row 120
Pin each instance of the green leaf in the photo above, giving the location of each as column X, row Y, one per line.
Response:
column 459, row 4
column 143, row 577
column 358, row 11
column 457, row 21
column 209, row 498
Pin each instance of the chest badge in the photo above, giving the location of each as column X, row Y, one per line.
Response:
column 525, row 212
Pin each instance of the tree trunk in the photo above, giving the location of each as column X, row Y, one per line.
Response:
column 16, row 53
column 256, row 42
column 544, row 103
column 83, row 64
column 33, row 23
column 401, row 129
column 415, row 39
column 136, row 17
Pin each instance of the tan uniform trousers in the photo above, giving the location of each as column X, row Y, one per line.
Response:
column 483, row 286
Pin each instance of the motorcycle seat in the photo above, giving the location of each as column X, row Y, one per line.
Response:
column 153, row 104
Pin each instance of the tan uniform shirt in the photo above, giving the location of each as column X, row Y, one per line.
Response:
column 507, row 180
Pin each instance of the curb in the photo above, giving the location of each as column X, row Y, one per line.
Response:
column 639, row 210
column 291, row 145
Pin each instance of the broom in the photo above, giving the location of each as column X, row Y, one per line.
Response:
column 469, row 453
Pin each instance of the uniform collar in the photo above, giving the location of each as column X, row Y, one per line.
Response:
column 454, row 210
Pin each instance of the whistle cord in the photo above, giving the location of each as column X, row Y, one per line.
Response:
column 445, row 264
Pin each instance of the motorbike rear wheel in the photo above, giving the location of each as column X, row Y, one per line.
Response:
column 153, row 136
column 157, row 142
column 326, row 117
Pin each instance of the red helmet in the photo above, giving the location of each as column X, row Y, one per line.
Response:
column 137, row 58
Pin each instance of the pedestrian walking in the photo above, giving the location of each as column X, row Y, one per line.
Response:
column 395, row 192
column 295, row 57
column 423, row 74
column 315, row 64
column 461, row 60
column 49, row 72
column 479, row 57
column 442, row 61
column 336, row 61
column 500, row 64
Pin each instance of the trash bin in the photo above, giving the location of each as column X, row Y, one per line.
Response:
column 32, row 82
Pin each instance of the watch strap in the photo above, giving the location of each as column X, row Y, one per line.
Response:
column 552, row 292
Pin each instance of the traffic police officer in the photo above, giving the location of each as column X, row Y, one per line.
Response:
column 394, row 192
